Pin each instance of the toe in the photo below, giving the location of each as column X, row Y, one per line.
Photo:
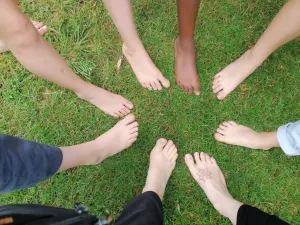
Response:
column 133, row 136
column 220, row 131
column 133, row 125
column 160, row 144
column 158, row 85
column 164, row 81
column 134, row 130
column 213, row 160
column 226, row 124
column 154, row 87
column 39, row 25
column 216, row 81
column 174, row 157
column 128, row 119
column 189, row 161
column 120, row 115
column 197, row 157
column 149, row 86
column 197, row 90
column 128, row 104
column 222, row 126
column 217, row 89
column 126, row 110
column 123, row 112
column 207, row 157
column 219, row 137
column 218, row 75
column 202, row 157
column 232, row 123
column 221, row 95
column 43, row 30
column 172, row 150
column 189, row 90
column 168, row 145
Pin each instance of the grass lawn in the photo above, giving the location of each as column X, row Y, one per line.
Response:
column 85, row 36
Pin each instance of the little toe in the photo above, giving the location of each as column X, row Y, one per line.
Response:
column 133, row 136
column 202, row 157
column 120, row 115
column 197, row 90
column 197, row 157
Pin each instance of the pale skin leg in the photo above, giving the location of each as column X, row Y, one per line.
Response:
column 162, row 162
column 38, row 56
column 210, row 178
column 232, row 133
column 117, row 139
column 284, row 28
column 185, row 54
column 146, row 72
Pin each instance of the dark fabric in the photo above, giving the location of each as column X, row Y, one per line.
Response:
column 25, row 163
column 145, row 209
column 248, row 215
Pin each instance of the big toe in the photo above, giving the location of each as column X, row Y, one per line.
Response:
column 128, row 119
column 164, row 81
column 160, row 144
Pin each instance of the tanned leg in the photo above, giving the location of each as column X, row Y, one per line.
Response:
column 185, row 54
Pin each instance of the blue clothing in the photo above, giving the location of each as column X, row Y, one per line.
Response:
column 25, row 163
column 288, row 137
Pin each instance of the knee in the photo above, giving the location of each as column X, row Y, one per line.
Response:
column 23, row 35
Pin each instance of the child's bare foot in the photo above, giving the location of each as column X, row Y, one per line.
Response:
column 41, row 28
column 146, row 72
column 117, row 139
column 235, row 134
column 110, row 103
column 234, row 74
column 208, row 175
column 162, row 162
column 185, row 67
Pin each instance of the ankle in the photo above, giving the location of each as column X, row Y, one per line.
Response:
column 185, row 44
column 268, row 140
column 255, row 59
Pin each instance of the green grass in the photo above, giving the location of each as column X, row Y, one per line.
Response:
column 85, row 36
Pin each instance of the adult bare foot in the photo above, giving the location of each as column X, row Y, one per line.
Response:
column 185, row 67
column 117, row 139
column 234, row 74
column 208, row 175
column 162, row 162
column 110, row 103
column 146, row 72
column 41, row 28
column 235, row 134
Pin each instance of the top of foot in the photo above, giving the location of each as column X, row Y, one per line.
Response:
column 162, row 162
column 209, row 176
column 234, row 74
column 186, row 73
column 144, row 69
column 41, row 28
column 118, row 138
column 110, row 103
column 232, row 133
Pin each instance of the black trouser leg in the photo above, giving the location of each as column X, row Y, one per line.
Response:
column 248, row 215
column 145, row 209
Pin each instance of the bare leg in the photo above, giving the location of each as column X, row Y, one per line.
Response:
column 120, row 137
column 235, row 134
column 162, row 162
column 185, row 56
column 208, row 175
column 37, row 55
column 146, row 72
column 284, row 28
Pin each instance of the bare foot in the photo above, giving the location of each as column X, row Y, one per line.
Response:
column 185, row 67
column 41, row 28
column 208, row 175
column 146, row 72
column 117, row 139
column 110, row 103
column 234, row 74
column 235, row 134
column 162, row 162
